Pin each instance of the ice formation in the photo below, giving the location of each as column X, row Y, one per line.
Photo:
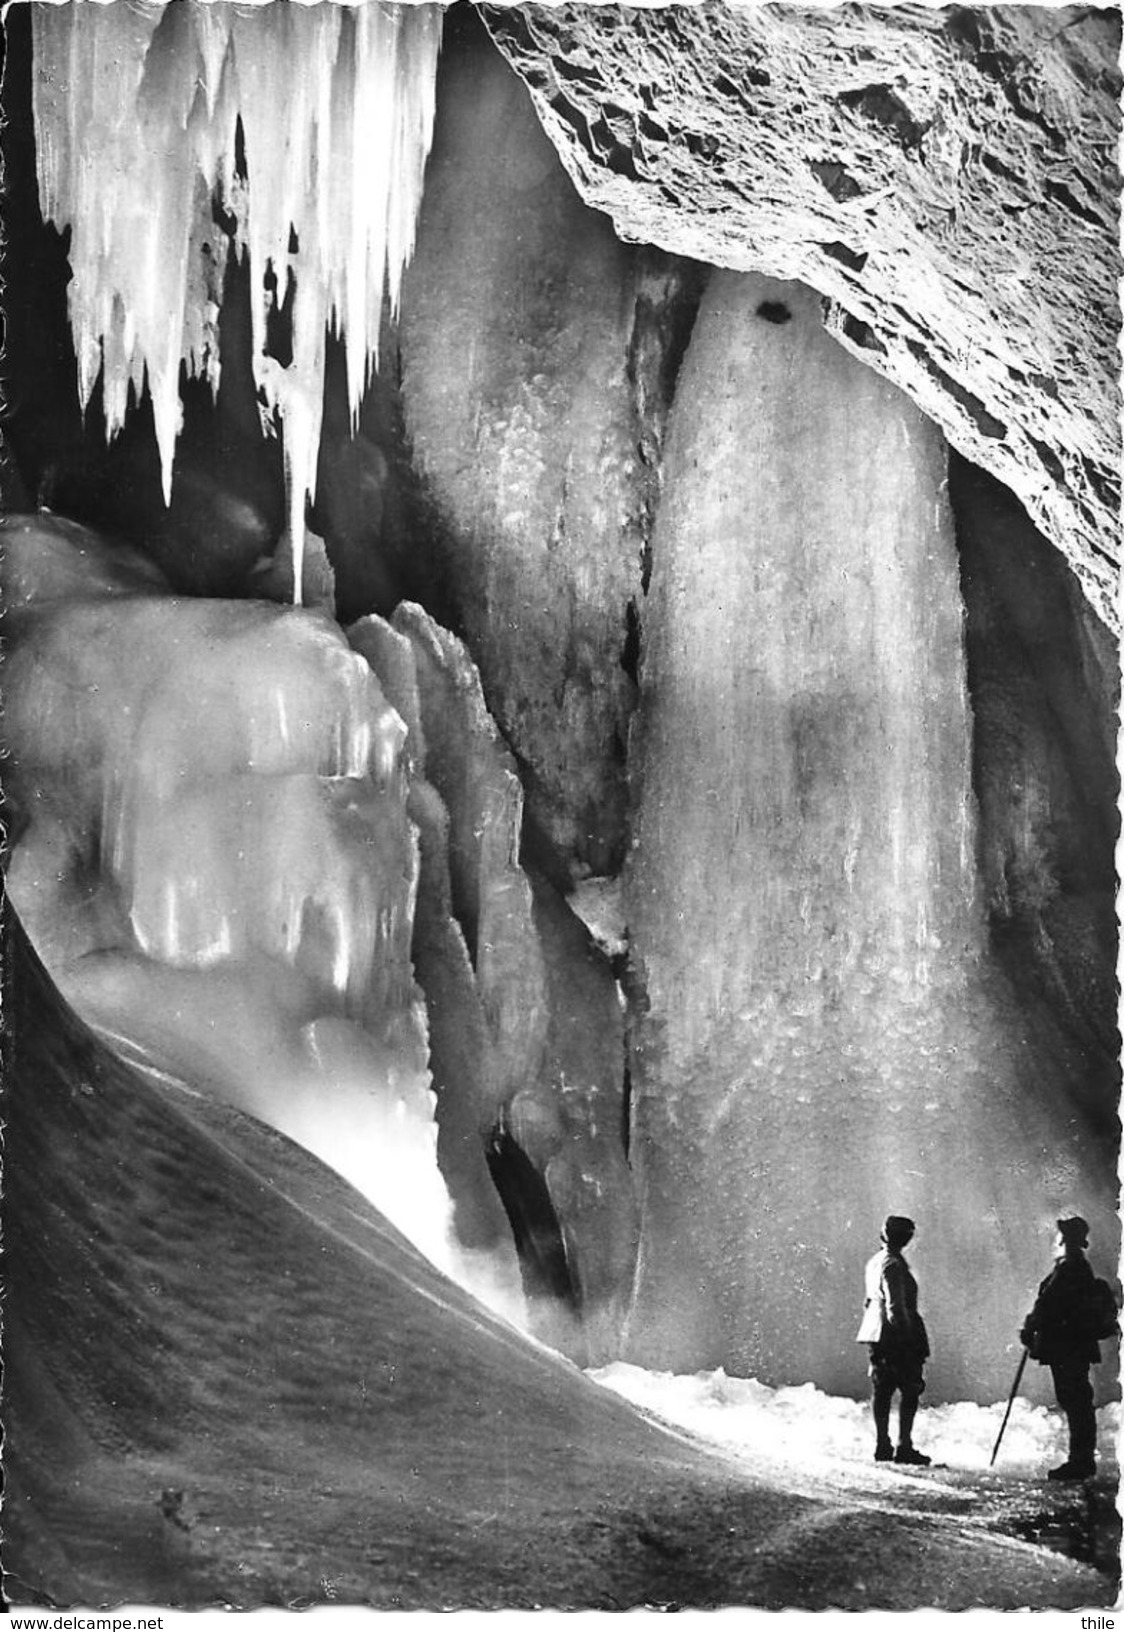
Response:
column 241, row 795
column 136, row 112
column 242, row 837
column 826, row 1041
column 804, row 1428
column 224, row 878
column 529, row 445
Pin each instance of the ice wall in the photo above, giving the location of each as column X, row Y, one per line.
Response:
column 212, row 853
column 526, row 447
column 475, row 948
column 823, row 1041
column 524, row 1019
column 136, row 114
column 1044, row 675
column 572, row 1122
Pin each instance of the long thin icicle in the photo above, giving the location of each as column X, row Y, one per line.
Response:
column 136, row 110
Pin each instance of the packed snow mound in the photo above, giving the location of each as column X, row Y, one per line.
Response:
column 804, row 1425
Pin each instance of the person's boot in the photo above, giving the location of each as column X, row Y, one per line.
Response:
column 1072, row 1472
column 884, row 1451
column 906, row 1453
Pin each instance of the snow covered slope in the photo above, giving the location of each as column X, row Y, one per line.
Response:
column 229, row 1380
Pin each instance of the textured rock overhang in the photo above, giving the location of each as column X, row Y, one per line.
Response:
column 947, row 179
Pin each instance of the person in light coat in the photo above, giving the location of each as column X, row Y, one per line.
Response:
column 898, row 1342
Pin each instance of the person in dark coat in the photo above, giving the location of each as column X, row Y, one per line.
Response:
column 899, row 1343
column 1056, row 1333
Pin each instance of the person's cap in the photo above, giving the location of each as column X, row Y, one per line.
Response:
column 897, row 1230
column 1074, row 1229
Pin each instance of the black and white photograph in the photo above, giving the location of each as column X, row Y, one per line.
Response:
column 560, row 672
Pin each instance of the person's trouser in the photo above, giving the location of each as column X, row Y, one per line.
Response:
column 895, row 1372
column 1075, row 1397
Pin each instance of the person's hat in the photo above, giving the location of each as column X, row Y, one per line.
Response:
column 897, row 1231
column 1075, row 1230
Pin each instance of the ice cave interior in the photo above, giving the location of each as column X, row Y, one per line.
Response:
column 531, row 714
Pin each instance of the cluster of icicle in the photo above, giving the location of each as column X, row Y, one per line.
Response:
column 136, row 111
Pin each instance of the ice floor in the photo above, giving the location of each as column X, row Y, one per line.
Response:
column 804, row 1425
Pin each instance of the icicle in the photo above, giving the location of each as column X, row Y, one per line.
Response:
column 136, row 108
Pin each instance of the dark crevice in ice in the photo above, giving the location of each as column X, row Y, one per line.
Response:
column 240, row 171
column 630, row 651
column 279, row 318
column 626, row 1106
column 1042, row 682
column 666, row 307
column 534, row 1223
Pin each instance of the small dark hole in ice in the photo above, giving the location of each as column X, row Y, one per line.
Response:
column 774, row 311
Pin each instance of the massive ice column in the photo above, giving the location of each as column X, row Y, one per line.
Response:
column 823, row 1041
column 517, row 320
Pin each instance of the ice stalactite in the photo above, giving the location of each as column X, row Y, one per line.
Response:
column 137, row 112
column 825, row 1040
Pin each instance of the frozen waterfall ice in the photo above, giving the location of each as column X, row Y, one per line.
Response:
column 825, row 1039
column 138, row 114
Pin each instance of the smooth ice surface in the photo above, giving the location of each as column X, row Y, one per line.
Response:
column 825, row 1041
column 803, row 1426
column 278, row 827
column 517, row 318
column 136, row 108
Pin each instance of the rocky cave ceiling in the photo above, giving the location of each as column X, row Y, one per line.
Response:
column 947, row 179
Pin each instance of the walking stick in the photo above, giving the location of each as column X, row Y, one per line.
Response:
column 1010, row 1403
